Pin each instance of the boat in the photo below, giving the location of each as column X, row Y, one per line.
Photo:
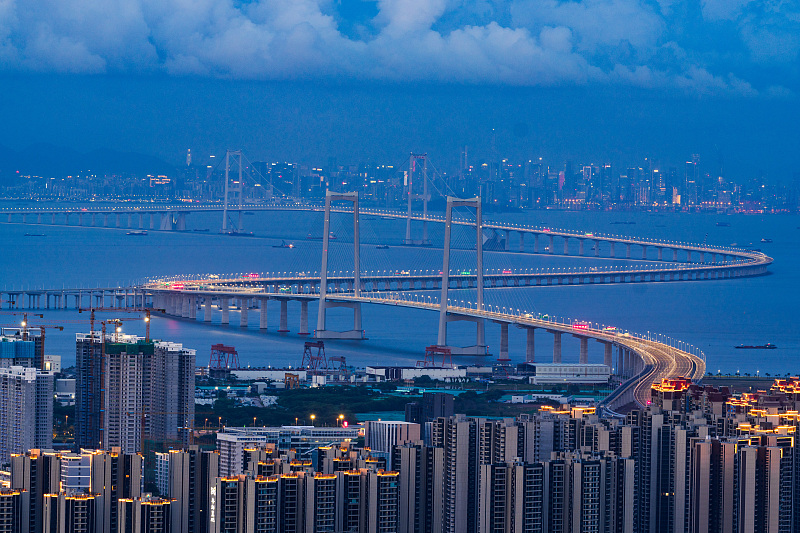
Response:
column 283, row 244
column 331, row 237
column 35, row 235
column 766, row 240
column 137, row 232
column 383, row 247
column 724, row 224
column 768, row 346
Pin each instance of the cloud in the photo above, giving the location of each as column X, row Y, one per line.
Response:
column 715, row 47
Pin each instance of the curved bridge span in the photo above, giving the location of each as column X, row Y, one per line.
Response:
column 640, row 361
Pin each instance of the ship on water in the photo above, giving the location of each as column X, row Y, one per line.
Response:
column 768, row 346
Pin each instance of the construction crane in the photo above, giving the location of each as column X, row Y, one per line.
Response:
column 146, row 312
column 24, row 331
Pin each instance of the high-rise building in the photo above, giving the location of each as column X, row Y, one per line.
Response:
column 191, row 476
column 114, row 476
column 26, row 410
column 72, row 513
column 148, row 515
column 37, row 473
column 12, row 506
column 142, row 390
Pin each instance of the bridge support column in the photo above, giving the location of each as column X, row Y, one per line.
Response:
column 244, row 304
column 303, row 317
column 38, row 218
column 550, row 248
column 644, row 252
column 262, row 319
column 192, row 307
column 627, row 251
column 674, row 254
column 224, row 305
column 597, row 248
column 141, row 221
column 357, row 333
column 284, row 325
column 613, row 254
column 536, row 243
column 530, row 355
column 608, row 358
column 566, row 246
column 556, row 346
column 621, row 361
column 581, row 247
column 521, row 241
column 152, row 220
column 207, row 308
column 53, row 218
column 503, row 357
column 584, row 354
column 186, row 305
column 660, row 254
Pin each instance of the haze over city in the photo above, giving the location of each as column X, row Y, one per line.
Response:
column 599, row 81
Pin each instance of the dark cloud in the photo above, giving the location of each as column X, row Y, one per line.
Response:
column 714, row 47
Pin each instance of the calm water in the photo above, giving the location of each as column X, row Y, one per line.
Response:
column 714, row 315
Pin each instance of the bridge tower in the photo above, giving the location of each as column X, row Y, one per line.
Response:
column 231, row 193
column 444, row 317
column 357, row 333
column 412, row 169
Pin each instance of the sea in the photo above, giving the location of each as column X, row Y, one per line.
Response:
column 713, row 316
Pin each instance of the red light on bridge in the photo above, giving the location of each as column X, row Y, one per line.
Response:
column 177, row 286
column 580, row 325
column 252, row 275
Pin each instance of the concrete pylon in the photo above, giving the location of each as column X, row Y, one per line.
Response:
column 529, row 347
column 556, row 346
column 357, row 333
column 444, row 317
column 262, row 319
column 244, row 305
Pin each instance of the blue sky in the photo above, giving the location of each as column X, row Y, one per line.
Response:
column 288, row 77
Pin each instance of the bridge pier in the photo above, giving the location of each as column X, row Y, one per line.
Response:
column 627, row 251
column 556, row 346
column 535, row 243
column 530, row 355
column 660, row 254
column 193, row 307
column 521, row 241
column 608, row 354
column 262, row 318
column 284, row 325
column 152, row 220
column 503, row 356
column 597, row 248
column 53, row 218
column 224, row 305
column 550, row 248
column 613, row 254
column 566, row 245
column 244, row 304
column 207, row 303
column 38, row 218
column 584, row 353
column 581, row 247
column 303, row 318
column 621, row 361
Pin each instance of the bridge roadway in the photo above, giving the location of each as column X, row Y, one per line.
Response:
column 173, row 218
column 656, row 360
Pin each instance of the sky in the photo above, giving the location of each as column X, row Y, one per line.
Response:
column 356, row 80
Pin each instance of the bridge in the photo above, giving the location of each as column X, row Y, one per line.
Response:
column 640, row 360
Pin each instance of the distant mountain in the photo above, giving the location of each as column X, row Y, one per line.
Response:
column 56, row 161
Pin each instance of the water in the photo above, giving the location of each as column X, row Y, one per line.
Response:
column 713, row 315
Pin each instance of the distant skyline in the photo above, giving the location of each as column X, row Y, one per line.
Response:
column 588, row 80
